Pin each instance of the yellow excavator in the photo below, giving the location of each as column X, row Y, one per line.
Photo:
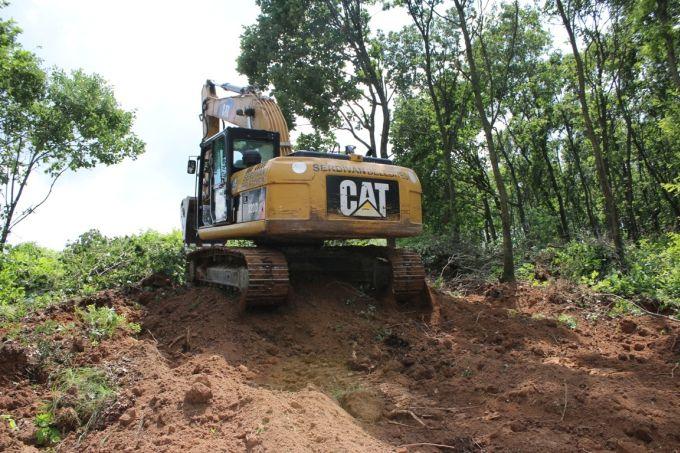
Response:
column 290, row 204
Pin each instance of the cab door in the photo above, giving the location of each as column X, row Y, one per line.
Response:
column 219, row 181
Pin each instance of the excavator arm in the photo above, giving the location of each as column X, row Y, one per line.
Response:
column 248, row 109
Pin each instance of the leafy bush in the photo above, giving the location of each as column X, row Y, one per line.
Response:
column 441, row 255
column 567, row 320
column 653, row 272
column 46, row 433
column 95, row 262
column 32, row 276
column 579, row 259
column 103, row 322
column 652, row 269
column 28, row 274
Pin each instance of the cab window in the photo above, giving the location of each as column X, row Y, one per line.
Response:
column 219, row 163
column 265, row 148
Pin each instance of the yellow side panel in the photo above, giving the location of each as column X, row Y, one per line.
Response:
column 287, row 201
column 235, row 230
column 415, row 208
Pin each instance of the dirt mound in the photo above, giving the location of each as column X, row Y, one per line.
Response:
column 504, row 368
column 16, row 361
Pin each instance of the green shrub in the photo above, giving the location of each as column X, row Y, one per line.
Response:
column 32, row 277
column 103, row 322
column 29, row 275
column 95, row 262
column 46, row 433
column 567, row 320
column 583, row 259
column 652, row 269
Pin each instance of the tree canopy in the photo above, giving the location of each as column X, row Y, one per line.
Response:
column 52, row 121
column 515, row 139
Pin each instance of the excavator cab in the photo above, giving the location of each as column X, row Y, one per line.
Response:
column 222, row 156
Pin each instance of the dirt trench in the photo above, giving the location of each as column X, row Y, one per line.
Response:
column 335, row 370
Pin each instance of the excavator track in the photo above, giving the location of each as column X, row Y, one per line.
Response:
column 389, row 271
column 260, row 274
column 408, row 274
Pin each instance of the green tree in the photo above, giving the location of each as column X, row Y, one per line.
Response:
column 323, row 64
column 51, row 121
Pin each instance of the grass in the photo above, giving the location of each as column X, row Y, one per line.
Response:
column 567, row 320
column 382, row 332
column 339, row 392
column 88, row 390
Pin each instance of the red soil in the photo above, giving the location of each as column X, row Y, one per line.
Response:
column 335, row 370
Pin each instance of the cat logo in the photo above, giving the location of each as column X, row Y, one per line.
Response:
column 363, row 198
column 367, row 204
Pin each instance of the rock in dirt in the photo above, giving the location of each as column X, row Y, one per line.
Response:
column 640, row 434
column 251, row 441
column 395, row 341
column 364, row 405
column 15, row 360
column 421, row 372
column 627, row 326
column 67, row 419
column 203, row 380
column 199, row 393
column 128, row 417
column 355, row 364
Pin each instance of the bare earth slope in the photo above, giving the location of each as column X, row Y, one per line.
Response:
column 335, row 370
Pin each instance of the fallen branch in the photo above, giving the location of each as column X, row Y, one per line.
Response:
column 446, row 409
column 397, row 412
column 564, row 409
column 172, row 343
column 427, row 444
column 400, row 424
column 651, row 313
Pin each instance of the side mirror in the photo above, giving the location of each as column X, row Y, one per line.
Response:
column 191, row 166
column 251, row 157
column 349, row 149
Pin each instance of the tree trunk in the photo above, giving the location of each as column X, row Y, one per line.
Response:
column 518, row 191
column 666, row 27
column 508, row 260
column 584, row 182
column 633, row 231
column 611, row 212
column 675, row 207
column 564, row 223
column 488, row 220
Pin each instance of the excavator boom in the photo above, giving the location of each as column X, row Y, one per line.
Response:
column 247, row 109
